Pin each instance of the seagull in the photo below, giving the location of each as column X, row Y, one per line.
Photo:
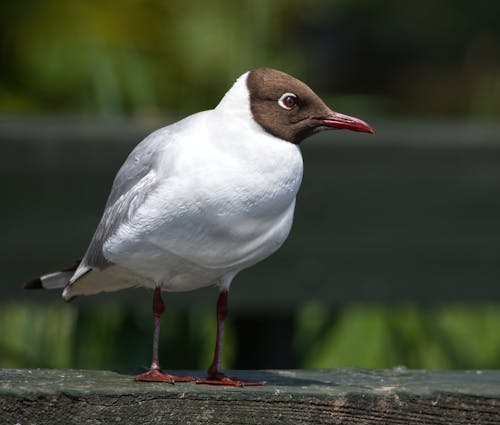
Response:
column 202, row 199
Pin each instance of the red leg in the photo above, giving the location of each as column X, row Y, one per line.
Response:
column 215, row 375
column 155, row 374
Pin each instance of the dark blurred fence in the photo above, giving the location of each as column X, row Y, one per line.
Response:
column 411, row 214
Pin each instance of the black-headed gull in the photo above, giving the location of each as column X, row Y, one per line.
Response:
column 200, row 200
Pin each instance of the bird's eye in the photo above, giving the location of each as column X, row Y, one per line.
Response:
column 288, row 101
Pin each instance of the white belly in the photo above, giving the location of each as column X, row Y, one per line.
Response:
column 195, row 242
column 215, row 212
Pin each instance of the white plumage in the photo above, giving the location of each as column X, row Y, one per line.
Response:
column 194, row 203
column 202, row 199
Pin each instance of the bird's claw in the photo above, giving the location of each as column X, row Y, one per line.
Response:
column 156, row 375
column 221, row 379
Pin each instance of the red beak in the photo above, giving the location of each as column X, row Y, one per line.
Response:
column 346, row 122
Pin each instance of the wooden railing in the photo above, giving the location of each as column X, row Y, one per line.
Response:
column 343, row 396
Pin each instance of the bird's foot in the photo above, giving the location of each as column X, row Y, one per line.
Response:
column 156, row 375
column 221, row 379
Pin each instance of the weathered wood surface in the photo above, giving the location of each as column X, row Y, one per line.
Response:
column 342, row 396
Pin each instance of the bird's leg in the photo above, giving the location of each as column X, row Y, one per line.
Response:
column 215, row 375
column 155, row 374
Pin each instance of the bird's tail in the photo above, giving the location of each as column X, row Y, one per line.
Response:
column 53, row 280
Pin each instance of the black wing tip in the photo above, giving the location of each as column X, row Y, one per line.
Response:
column 37, row 282
column 34, row 284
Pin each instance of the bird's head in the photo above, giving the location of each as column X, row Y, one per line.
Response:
column 287, row 108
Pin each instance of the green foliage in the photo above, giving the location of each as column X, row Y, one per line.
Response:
column 106, row 337
column 129, row 57
column 61, row 336
column 40, row 336
column 373, row 336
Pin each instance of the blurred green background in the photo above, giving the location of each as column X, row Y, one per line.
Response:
column 83, row 80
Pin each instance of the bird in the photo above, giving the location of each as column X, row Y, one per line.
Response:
column 200, row 200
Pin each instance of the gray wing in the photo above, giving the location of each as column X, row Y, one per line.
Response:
column 132, row 185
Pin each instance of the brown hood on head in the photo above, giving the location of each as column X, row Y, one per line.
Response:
column 287, row 108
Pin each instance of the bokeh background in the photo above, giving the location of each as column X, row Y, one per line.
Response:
column 393, row 259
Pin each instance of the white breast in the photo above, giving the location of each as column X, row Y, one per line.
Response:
column 224, row 200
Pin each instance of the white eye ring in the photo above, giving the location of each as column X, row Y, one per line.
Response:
column 281, row 101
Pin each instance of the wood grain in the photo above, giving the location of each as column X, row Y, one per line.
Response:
column 341, row 396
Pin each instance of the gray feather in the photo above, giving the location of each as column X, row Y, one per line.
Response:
column 53, row 280
column 56, row 280
column 132, row 185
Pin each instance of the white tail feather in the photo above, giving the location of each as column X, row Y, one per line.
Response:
column 56, row 280
column 112, row 278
